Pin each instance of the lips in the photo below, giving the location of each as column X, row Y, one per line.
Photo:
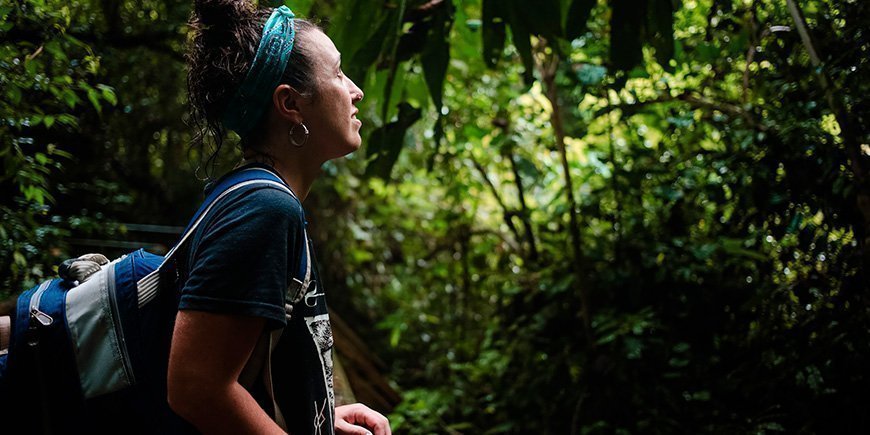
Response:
column 353, row 117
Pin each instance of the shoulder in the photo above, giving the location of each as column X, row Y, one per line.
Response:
column 257, row 214
column 260, row 202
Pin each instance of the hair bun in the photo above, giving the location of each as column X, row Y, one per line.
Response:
column 222, row 15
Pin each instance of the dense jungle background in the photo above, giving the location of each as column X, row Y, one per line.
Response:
column 568, row 216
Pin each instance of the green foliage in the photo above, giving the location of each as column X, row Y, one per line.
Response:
column 493, row 32
column 721, row 233
column 436, row 54
column 46, row 75
column 711, row 307
column 383, row 148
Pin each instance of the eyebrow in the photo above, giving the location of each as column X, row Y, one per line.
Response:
column 338, row 62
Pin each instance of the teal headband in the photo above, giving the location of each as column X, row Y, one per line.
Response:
column 247, row 106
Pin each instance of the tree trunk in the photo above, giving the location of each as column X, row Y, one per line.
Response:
column 548, row 77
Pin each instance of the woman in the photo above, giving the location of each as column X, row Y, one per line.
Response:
column 276, row 81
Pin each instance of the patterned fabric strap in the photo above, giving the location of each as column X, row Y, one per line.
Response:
column 247, row 106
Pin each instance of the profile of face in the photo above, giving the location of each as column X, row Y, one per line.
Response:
column 331, row 113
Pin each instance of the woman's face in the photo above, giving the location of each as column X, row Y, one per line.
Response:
column 331, row 114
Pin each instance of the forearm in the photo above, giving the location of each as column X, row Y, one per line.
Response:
column 228, row 410
column 208, row 354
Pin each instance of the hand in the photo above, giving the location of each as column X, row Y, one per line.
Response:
column 358, row 419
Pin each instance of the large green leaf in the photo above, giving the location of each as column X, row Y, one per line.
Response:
column 367, row 55
column 521, row 39
column 355, row 24
column 436, row 54
column 494, row 16
column 391, row 45
column 386, row 142
column 578, row 15
column 540, row 17
column 414, row 41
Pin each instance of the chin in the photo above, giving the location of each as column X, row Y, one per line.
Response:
column 354, row 144
column 347, row 149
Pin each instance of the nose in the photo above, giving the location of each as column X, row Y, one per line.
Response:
column 355, row 92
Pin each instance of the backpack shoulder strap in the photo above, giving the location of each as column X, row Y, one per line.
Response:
column 149, row 285
column 224, row 187
column 300, row 281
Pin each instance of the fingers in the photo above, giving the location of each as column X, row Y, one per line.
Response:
column 377, row 422
column 365, row 416
column 344, row 428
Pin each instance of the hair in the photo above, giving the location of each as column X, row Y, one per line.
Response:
column 225, row 35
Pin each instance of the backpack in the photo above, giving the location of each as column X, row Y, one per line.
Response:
column 92, row 356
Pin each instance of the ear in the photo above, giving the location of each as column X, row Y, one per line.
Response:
column 288, row 103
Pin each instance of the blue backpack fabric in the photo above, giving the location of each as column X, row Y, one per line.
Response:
column 92, row 357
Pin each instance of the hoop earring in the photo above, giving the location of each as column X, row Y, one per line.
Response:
column 304, row 132
column 196, row 173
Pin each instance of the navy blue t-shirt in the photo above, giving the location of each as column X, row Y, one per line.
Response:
column 242, row 260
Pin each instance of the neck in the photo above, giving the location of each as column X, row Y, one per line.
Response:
column 295, row 170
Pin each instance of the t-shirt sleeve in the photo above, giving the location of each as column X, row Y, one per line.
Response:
column 240, row 263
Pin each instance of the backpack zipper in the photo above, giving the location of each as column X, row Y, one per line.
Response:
column 35, row 314
column 116, row 322
column 37, row 317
